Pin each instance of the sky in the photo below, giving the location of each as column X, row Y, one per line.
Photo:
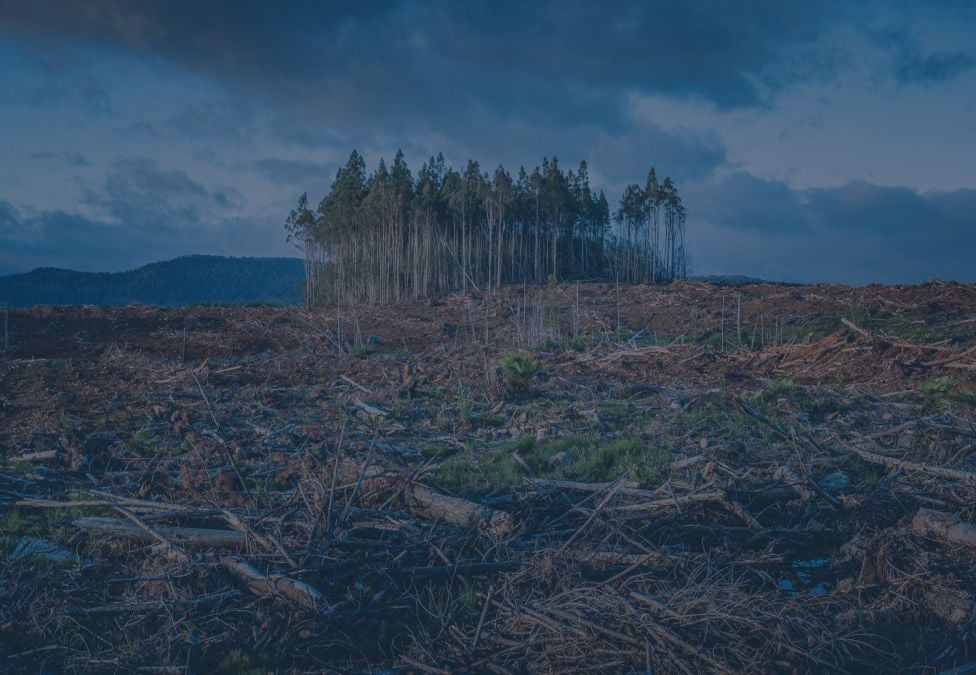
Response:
column 810, row 141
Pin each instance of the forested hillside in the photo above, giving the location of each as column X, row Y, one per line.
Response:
column 390, row 236
column 182, row 281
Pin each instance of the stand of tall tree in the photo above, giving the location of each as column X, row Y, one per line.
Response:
column 391, row 236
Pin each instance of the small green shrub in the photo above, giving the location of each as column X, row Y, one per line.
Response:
column 519, row 369
column 781, row 386
column 142, row 441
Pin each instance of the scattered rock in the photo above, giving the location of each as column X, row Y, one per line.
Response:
column 835, row 483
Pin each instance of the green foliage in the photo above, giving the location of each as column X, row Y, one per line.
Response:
column 940, row 392
column 464, row 404
column 519, row 369
column 237, row 662
column 389, row 236
column 583, row 459
column 142, row 442
column 754, row 399
column 18, row 468
column 21, row 522
column 781, row 386
column 937, row 387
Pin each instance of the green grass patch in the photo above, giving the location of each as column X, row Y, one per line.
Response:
column 781, row 386
column 586, row 460
column 941, row 391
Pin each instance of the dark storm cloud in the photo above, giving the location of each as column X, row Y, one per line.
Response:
column 752, row 204
column 60, row 239
column 30, row 239
column 387, row 60
column 855, row 233
column 142, row 195
column 684, row 154
column 911, row 65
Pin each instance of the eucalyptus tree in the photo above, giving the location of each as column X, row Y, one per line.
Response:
column 389, row 236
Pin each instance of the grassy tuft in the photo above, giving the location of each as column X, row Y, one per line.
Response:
column 587, row 460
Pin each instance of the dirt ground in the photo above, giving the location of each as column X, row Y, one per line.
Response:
column 681, row 478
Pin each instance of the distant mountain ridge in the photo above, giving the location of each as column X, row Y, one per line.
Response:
column 181, row 281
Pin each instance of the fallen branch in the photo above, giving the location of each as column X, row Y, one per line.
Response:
column 671, row 502
column 298, row 591
column 35, row 456
column 921, row 467
column 183, row 536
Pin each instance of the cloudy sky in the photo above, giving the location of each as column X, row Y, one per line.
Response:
column 810, row 140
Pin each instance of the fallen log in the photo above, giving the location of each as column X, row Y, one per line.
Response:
column 191, row 537
column 945, row 526
column 426, row 503
column 275, row 585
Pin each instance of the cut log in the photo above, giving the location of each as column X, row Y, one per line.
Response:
column 426, row 503
column 275, row 585
column 951, row 529
column 191, row 537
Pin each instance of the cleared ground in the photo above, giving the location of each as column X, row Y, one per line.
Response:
column 672, row 479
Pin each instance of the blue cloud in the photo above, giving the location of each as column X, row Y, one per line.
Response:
column 854, row 233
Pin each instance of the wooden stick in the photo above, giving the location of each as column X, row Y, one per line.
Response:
column 921, row 467
column 358, row 386
column 184, row 536
column 671, row 502
column 599, row 507
column 152, row 532
column 244, row 529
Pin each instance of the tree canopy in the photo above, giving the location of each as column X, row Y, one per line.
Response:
column 390, row 236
